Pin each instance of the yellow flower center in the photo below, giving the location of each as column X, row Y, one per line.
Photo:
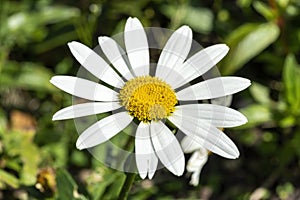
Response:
column 148, row 98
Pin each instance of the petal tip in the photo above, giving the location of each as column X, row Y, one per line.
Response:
column 102, row 39
column 135, row 19
column 53, row 80
column 249, row 82
column 57, row 80
column 143, row 175
column 57, row 116
column 246, row 82
column 244, row 119
column 80, row 145
column 235, row 155
column 225, row 47
column 129, row 20
column 71, row 44
column 179, row 169
column 54, row 118
column 179, row 173
column 133, row 23
column 185, row 28
column 150, row 175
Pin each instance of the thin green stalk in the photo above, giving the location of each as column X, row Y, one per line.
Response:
column 127, row 186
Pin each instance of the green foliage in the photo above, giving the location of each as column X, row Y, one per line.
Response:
column 247, row 42
column 291, row 81
column 9, row 179
column 66, row 186
column 25, row 160
column 187, row 15
column 26, row 75
column 38, row 158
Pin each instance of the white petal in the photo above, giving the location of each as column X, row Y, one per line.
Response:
column 95, row 64
column 84, row 88
column 137, row 47
column 197, row 65
column 85, row 109
column 207, row 136
column 175, row 52
column 167, row 148
column 213, row 88
column 146, row 159
column 189, row 145
column 196, row 163
column 103, row 130
column 218, row 116
column 197, row 160
column 112, row 51
column 222, row 101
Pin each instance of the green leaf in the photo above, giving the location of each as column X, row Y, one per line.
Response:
column 245, row 43
column 114, row 189
column 291, row 81
column 193, row 16
column 286, row 190
column 3, row 123
column 67, row 187
column 97, row 188
column 287, row 121
column 260, row 93
column 9, row 179
column 55, row 14
column 263, row 9
column 237, row 35
column 256, row 114
column 26, row 75
column 244, row 3
column 31, row 158
column 105, row 184
column 25, row 158
column 199, row 19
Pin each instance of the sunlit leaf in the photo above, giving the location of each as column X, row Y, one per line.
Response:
column 55, row 14
column 256, row 114
column 285, row 190
column 3, row 122
column 30, row 158
column 245, row 43
column 260, row 93
column 9, row 179
column 291, row 81
column 287, row 121
column 26, row 75
column 198, row 18
column 264, row 10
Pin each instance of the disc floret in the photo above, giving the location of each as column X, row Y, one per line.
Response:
column 148, row 98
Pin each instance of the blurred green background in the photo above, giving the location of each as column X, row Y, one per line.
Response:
column 38, row 158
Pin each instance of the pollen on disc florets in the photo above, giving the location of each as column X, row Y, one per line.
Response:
column 148, row 98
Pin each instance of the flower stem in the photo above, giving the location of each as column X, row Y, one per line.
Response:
column 127, row 186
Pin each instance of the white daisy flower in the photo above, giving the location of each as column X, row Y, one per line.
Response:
column 151, row 99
